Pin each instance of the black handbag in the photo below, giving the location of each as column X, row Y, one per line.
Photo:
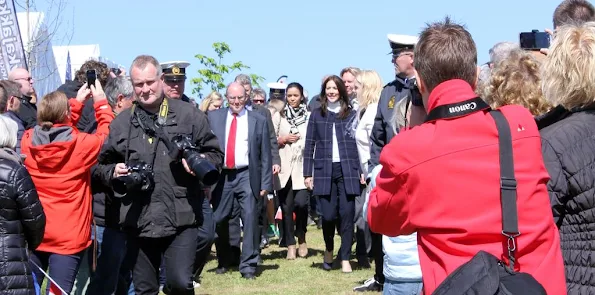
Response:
column 485, row 273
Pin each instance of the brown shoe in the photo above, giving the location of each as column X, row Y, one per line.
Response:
column 345, row 266
column 291, row 252
column 303, row 250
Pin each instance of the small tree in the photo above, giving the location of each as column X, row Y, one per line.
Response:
column 213, row 75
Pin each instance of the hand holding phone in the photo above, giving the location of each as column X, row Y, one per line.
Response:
column 534, row 40
column 91, row 77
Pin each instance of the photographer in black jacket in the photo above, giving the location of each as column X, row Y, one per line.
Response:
column 153, row 159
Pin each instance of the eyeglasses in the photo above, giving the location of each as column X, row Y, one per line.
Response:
column 240, row 98
column 258, row 101
column 28, row 79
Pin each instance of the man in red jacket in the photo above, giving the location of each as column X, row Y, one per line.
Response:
column 441, row 179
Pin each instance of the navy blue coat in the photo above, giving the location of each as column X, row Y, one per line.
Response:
column 318, row 157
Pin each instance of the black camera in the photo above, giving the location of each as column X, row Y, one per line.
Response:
column 140, row 178
column 204, row 170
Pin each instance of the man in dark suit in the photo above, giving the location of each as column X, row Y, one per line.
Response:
column 246, row 82
column 246, row 179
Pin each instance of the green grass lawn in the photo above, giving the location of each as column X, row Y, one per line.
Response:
column 281, row 276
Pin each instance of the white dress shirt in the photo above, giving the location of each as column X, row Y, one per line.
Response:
column 335, row 107
column 241, row 148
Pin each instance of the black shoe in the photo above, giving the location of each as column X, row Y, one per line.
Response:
column 221, row 270
column 363, row 262
column 248, row 276
column 370, row 285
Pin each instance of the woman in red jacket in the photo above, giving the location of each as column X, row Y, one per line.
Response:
column 59, row 159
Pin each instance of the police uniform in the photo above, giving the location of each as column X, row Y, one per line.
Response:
column 383, row 131
column 277, row 90
column 175, row 72
column 384, row 128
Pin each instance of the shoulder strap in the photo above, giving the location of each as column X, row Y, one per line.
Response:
column 508, row 185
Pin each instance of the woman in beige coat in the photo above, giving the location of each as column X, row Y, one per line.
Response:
column 289, row 183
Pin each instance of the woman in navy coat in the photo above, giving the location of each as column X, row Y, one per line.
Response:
column 331, row 166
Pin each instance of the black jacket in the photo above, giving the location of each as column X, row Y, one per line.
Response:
column 568, row 146
column 22, row 224
column 28, row 112
column 272, row 135
column 176, row 201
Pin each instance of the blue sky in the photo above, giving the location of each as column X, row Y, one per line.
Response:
column 301, row 39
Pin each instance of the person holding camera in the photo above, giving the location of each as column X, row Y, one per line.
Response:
column 157, row 158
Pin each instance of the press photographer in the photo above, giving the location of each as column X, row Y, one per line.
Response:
column 158, row 156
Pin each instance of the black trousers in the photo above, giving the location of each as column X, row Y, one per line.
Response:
column 338, row 202
column 206, row 237
column 378, row 257
column 178, row 252
column 233, row 187
column 293, row 201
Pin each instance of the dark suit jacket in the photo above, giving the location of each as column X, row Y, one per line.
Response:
column 272, row 136
column 318, row 152
column 259, row 148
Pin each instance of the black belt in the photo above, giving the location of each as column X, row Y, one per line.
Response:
column 234, row 170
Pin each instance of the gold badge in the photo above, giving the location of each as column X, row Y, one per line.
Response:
column 175, row 70
column 391, row 102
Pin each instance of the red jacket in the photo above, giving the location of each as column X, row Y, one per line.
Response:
column 59, row 161
column 442, row 180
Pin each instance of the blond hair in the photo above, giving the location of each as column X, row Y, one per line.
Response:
column 371, row 85
column 52, row 109
column 517, row 80
column 207, row 101
column 567, row 72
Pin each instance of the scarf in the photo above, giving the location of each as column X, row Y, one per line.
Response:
column 10, row 154
column 296, row 116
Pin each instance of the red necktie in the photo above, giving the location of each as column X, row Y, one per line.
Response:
column 231, row 143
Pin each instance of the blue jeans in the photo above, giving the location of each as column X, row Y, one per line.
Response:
column 110, row 269
column 62, row 268
column 402, row 288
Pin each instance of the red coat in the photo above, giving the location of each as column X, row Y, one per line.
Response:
column 61, row 173
column 441, row 180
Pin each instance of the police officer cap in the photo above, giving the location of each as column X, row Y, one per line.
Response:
column 399, row 43
column 277, row 89
column 174, row 71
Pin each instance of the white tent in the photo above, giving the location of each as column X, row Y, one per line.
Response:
column 79, row 54
column 37, row 42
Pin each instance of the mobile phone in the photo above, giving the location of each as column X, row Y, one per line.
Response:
column 91, row 77
column 534, row 40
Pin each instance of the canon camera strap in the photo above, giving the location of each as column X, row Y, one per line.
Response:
column 459, row 109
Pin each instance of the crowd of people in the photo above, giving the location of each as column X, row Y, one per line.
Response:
column 452, row 177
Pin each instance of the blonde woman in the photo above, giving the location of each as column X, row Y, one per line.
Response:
column 213, row 101
column 517, row 80
column 289, row 183
column 368, row 86
column 568, row 147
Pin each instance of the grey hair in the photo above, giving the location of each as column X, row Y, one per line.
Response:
column 501, row 51
column 259, row 92
column 117, row 86
column 141, row 62
column 243, row 79
column 8, row 132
